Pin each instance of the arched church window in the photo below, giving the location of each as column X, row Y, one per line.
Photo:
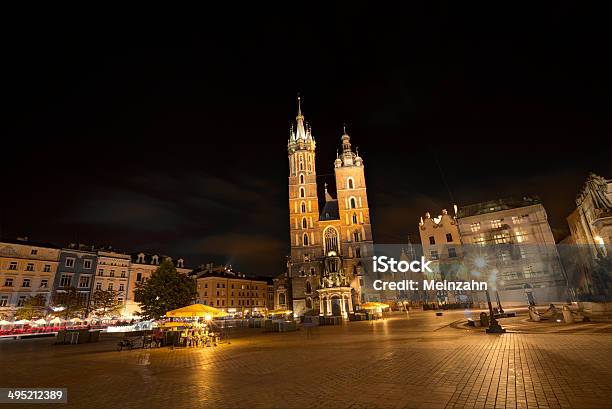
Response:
column 353, row 203
column 357, row 236
column 304, row 223
column 354, row 218
column 331, row 240
column 303, row 207
column 302, row 179
column 350, row 183
column 305, row 239
column 357, row 252
column 303, row 192
column 308, row 287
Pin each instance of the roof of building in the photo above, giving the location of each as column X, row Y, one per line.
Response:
column 497, row 205
column 330, row 211
column 24, row 241
column 221, row 272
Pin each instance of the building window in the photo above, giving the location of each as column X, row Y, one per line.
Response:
column 353, row 203
column 101, row 272
column 84, row 281
column 44, row 283
column 30, row 267
column 354, row 218
column 65, row 280
column 305, row 239
column 47, row 268
column 8, row 282
column 479, row 240
column 432, row 240
column 121, row 287
column 21, row 301
column 308, row 287
column 301, row 179
column 98, row 286
column 475, row 227
column 123, row 274
column 303, row 207
column 87, row 264
column 358, row 252
column 357, row 236
column 449, row 237
column 110, row 286
column 302, row 192
column 112, row 273
column 496, row 224
column 452, row 252
column 69, row 262
column 350, row 183
column 304, row 223
column 500, row 238
column 26, row 282
column 4, row 301
column 13, row 265
column 139, row 277
column 521, row 236
column 331, row 240
column 34, row 252
column 434, row 255
column 281, row 299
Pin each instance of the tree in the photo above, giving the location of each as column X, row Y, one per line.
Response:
column 165, row 290
column 33, row 307
column 72, row 302
column 105, row 302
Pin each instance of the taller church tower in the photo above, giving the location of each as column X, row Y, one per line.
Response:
column 331, row 249
column 303, row 198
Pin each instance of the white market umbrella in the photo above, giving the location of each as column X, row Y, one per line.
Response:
column 21, row 322
column 40, row 321
column 4, row 322
column 56, row 320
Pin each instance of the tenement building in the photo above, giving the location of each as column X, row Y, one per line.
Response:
column 76, row 268
column 328, row 271
column 112, row 275
column 509, row 243
column 141, row 267
column 442, row 246
column 231, row 291
column 27, row 269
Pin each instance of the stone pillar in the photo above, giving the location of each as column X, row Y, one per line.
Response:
column 342, row 307
column 329, row 309
column 321, row 306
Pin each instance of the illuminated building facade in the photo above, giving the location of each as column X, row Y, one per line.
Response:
column 27, row 269
column 328, row 270
column 234, row 292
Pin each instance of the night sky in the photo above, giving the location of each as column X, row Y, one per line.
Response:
column 167, row 132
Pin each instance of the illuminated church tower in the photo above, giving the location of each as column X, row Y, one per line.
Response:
column 331, row 249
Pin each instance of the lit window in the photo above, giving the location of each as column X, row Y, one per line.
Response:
column 474, row 227
column 521, row 236
column 496, row 224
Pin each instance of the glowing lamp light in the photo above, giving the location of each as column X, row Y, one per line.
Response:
column 480, row 262
column 599, row 240
column 208, row 317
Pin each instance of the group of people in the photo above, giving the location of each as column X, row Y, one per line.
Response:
column 198, row 336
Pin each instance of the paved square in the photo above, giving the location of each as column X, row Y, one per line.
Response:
column 415, row 362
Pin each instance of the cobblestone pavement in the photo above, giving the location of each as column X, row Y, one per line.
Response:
column 416, row 362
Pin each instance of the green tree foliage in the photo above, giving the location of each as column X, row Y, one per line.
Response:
column 33, row 307
column 72, row 301
column 104, row 303
column 165, row 290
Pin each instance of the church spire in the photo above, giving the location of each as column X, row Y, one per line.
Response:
column 301, row 131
